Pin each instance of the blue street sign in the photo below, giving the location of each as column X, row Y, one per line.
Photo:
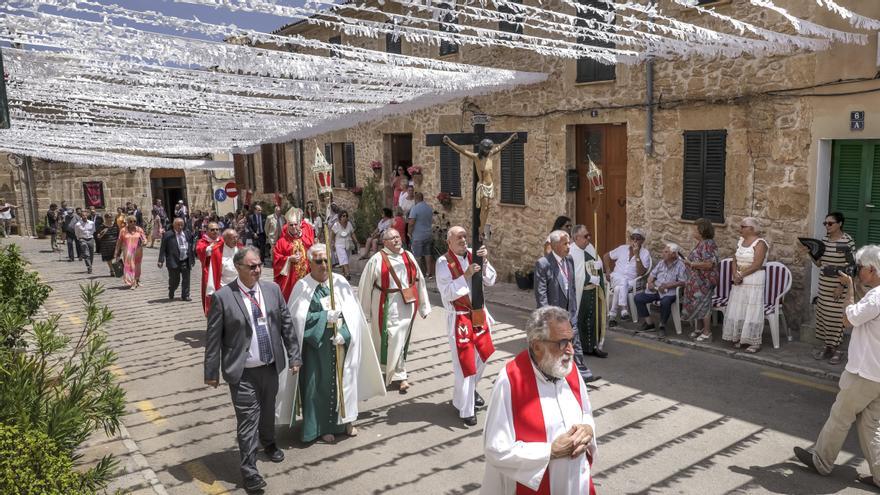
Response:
column 220, row 195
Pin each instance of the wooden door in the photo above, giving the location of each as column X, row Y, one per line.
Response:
column 606, row 145
column 855, row 188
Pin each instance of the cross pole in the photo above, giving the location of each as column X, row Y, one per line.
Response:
column 474, row 138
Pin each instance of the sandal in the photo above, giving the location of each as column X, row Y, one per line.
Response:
column 737, row 345
column 704, row 338
column 836, row 357
column 350, row 430
column 753, row 349
column 694, row 334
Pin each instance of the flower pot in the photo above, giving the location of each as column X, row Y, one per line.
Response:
column 525, row 281
column 417, row 179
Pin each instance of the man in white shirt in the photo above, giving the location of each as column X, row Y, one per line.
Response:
column 85, row 236
column 631, row 261
column 859, row 395
column 540, row 431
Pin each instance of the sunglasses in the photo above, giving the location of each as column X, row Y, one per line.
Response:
column 320, row 261
column 828, row 224
column 561, row 344
column 253, row 267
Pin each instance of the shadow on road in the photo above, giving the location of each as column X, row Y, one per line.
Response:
column 776, row 478
column 224, row 466
column 193, row 338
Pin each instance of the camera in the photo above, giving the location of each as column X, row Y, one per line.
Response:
column 833, row 271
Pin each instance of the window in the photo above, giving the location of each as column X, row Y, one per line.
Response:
column 274, row 168
column 450, row 171
column 703, row 183
column 448, row 25
column 511, row 27
column 244, row 171
column 335, row 40
column 589, row 70
column 513, row 174
column 393, row 42
column 341, row 157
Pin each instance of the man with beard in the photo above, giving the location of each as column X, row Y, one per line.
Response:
column 471, row 345
column 531, row 448
column 216, row 254
column 289, row 261
column 333, row 334
column 392, row 291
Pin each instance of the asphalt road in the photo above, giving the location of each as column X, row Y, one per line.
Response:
column 669, row 420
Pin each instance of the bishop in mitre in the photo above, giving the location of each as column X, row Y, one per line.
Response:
column 392, row 291
column 330, row 339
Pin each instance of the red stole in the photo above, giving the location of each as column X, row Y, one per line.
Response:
column 386, row 282
column 528, row 417
column 215, row 267
column 468, row 339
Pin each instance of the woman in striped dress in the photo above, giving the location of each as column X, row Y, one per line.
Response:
column 830, row 302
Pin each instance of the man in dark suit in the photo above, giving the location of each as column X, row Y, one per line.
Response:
column 178, row 252
column 554, row 286
column 257, row 228
column 251, row 340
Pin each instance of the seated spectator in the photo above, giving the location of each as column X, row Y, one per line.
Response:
column 631, row 261
column 373, row 241
column 669, row 274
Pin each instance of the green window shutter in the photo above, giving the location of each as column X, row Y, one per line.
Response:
column 692, row 182
column 267, row 158
column 450, row 171
column 874, row 199
column 846, row 194
column 589, row 70
column 705, row 155
column 348, row 165
column 513, row 179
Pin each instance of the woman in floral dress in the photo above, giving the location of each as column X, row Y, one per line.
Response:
column 131, row 246
column 702, row 279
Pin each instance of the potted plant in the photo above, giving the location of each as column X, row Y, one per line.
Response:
column 415, row 171
column 42, row 228
column 525, row 278
column 445, row 199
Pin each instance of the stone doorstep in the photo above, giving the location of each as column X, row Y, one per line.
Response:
column 786, row 357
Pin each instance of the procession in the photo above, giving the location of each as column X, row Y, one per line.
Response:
column 577, row 247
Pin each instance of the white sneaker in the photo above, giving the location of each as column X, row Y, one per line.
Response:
column 624, row 315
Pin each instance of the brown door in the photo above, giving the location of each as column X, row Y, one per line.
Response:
column 606, row 145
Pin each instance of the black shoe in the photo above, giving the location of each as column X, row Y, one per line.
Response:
column 478, row 400
column 599, row 353
column 470, row 420
column 170, row 297
column 662, row 333
column 254, row 483
column 806, row 457
column 275, row 454
column 186, row 299
column 645, row 327
column 591, row 378
column 89, row 270
column 612, row 322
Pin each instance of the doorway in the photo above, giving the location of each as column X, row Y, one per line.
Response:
column 399, row 153
column 606, row 145
column 169, row 185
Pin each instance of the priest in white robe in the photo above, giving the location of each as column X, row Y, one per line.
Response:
column 470, row 346
column 392, row 291
column 589, row 279
column 316, row 385
column 540, row 431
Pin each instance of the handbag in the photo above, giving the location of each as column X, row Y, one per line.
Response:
column 409, row 294
column 117, row 268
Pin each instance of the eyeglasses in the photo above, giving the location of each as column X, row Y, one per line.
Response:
column 828, row 224
column 253, row 268
column 321, row 261
column 562, row 344
column 636, row 238
column 214, row 230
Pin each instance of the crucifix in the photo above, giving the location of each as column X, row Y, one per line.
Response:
column 484, row 148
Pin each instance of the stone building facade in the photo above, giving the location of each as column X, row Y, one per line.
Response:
column 779, row 118
column 54, row 182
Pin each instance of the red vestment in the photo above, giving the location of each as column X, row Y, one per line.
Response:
column 286, row 246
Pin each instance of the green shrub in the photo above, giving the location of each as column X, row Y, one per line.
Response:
column 31, row 464
column 369, row 211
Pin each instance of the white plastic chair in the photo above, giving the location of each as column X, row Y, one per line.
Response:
column 637, row 286
column 722, row 290
column 777, row 283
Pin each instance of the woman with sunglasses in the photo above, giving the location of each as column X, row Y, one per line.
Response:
column 830, row 301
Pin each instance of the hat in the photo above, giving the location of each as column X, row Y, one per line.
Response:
column 638, row 232
column 294, row 216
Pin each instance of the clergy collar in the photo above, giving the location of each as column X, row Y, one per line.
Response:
column 551, row 379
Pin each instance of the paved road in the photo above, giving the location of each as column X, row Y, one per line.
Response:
column 670, row 420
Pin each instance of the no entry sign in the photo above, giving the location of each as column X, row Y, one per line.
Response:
column 231, row 189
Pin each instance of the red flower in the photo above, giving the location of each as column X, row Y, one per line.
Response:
column 376, row 165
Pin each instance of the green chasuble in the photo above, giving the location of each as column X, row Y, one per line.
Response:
column 592, row 311
column 317, row 377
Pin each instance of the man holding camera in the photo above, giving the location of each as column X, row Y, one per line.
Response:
column 859, row 396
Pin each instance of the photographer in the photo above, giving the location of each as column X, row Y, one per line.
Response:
column 859, row 396
column 830, row 301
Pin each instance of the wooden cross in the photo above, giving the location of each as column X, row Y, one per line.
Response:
column 474, row 138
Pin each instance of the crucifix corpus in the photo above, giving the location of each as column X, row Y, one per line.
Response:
column 484, row 150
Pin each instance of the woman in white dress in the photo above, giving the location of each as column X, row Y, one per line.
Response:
column 744, row 319
column 344, row 241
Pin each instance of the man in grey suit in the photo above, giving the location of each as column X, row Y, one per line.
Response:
column 250, row 339
column 554, row 286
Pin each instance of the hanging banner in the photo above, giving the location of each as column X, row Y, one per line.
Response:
column 94, row 194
